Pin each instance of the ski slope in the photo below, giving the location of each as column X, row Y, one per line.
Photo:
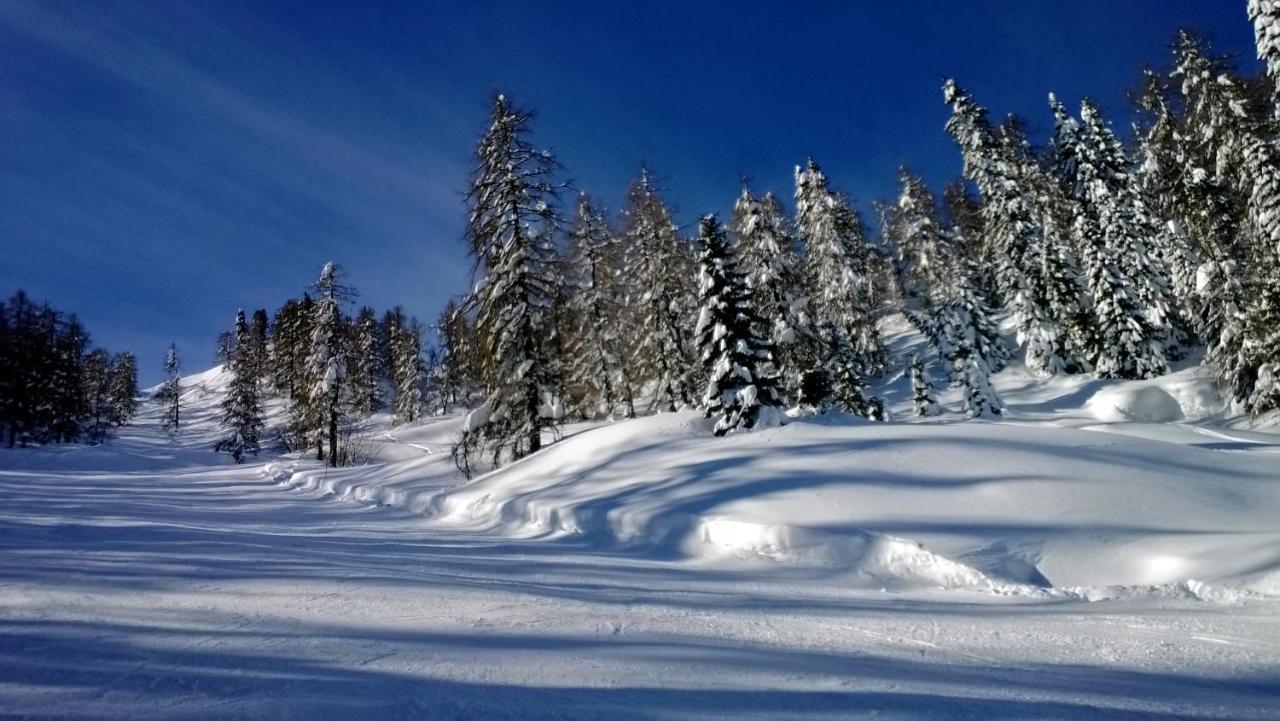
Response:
column 1107, row 550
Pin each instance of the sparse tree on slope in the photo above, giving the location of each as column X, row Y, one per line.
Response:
column 170, row 394
column 924, row 402
column 511, row 232
column 241, row 409
column 735, row 355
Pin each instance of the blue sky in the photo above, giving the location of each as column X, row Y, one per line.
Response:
column 163, row 163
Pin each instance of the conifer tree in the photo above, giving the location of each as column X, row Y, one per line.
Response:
column 839, row 266
column 96, row 375
column 170, row 394
column 366, row 365
column 980, row 399
column 771, row 268
column 123, row 388
column 594, row 312
column 924, row 402
column 846, row 375
column 735, row 355
column 1265, row 16
column 327, row 363
column 662, row 297
column 940, row 295
column 64, row 406
column 459, row 376
column 511, row 233
column 408, row 372
column 996, row 163
column 241, row 409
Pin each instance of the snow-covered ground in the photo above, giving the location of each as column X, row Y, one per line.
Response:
column 1108, row 550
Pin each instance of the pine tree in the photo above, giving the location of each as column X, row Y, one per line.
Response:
column 64, row 406
column 1265, row 16
column 259, row 343
column 980, row 399
column 123, row 388
column 771, row 267
column 170, row 393
column 839, row 267
column 96, row 375
column 327, row 364
column 408, row 372
column 924, row 402
column 740, row 392
column 1127, row 230
column 365, row 365
column 511, row 233
column 241, row 411
column 940, row 294
column 595, row 313
column 998, row 162
column 457, row 357
column 846, row 376
column 661, row 296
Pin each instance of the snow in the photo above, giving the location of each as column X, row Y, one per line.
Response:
column 1087, row 556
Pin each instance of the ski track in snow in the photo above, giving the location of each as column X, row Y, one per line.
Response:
column 153, row 580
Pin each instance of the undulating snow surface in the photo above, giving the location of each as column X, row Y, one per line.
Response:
column 1107, row 550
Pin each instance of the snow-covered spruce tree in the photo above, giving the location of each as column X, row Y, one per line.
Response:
column 740, row 392
column 328, row 397
column 1265, row 15
column 771, row 266
column 365, row 365
column 838, row 267
column 979, row 399
column 1127, row 230
column 170, row 393
column 1014, row 233
column 594, row 314
column 940, row 294
column 924, row 402
column 408, row 371
column 1170, row 192
column 122, row 388
column 844, row 377
column 241, row 409
column 1065, row 339
column 661, row 297
column 511, row 233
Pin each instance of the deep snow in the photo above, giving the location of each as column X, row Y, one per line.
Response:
column 1106, row 550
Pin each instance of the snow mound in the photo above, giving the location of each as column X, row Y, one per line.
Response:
column 1144, row 404
column 1183, row 396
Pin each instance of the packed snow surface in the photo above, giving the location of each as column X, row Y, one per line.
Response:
column 1106, row 550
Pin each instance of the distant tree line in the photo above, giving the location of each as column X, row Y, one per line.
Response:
column 54, row 386
column 332, row 368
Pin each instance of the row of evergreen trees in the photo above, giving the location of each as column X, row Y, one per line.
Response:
column 55, row 388
column 333, row 369
column 1109, row 259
